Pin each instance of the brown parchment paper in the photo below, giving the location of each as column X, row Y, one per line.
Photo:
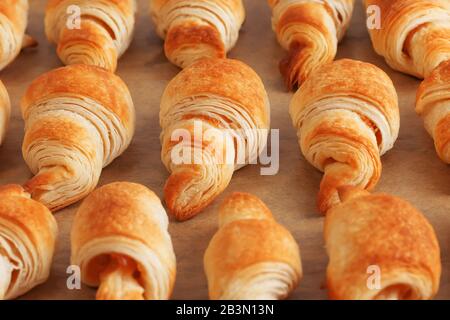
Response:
column 411, row 170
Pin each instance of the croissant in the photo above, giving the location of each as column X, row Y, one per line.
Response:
column 414, row 37
column 121, row 243
column 13, row 22
column 251, row 257
column 197, row 29
column 346, row 115
column 78, row 119
column 223, row 108
column 5, row 110
column 380, row 247
column 433, row 104
column 27, row 240
column 93, row 32
column 310, row 31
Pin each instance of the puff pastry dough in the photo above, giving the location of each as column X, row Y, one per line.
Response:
column 382, row 231
column 104, row 34
column 5, row 110
column 27, row 240
column 13, row 22
column 346, row 115
column 415, row 34
column 433, row 104
column 196, row 29
column 226, row 100
column 251, row 257
column 310, row 31
column 78, row 119
column 121, row 243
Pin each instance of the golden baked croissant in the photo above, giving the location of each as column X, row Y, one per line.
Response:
column 78, row 119
column 251, row 257
column 27, row 241
column 346, row 115
column 13, row 22
column 5, row 110
column 310, row 31
column 433, row 104
column 103, row 34
column 121, row 243
column 414, row 35
column 222, row 106
column 380, row 247
column 197, row 29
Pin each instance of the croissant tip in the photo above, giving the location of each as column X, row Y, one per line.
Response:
column 29, row 42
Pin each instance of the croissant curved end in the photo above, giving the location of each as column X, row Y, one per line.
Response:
column 290, row 68
column 29, row 42
column 42, row 188
column 189, row 190
column 118, row 281
column 336, row 176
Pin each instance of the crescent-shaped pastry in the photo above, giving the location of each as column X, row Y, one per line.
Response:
column 5, row 111
column 197, row 29
column 414, row 35
column 346, row 115
column 251, row 257
column 78, row 119
column 94, row 32
column 380, row 247
column 215, row 113
column 121, row 243
column 13, row 22
column 310, row 31
column 27, row 241
column 433, row 105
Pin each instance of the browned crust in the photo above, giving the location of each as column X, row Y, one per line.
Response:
column 31, row 216
column 246, row 240
column 226, row 78
column 190, row 35
column 357, row 79
column 126, row 6
column 443, row 137
column 89, row 35
column 121, row 209
column 439, row 76
column 381, row 230
column 82, row 80
column 293, row 66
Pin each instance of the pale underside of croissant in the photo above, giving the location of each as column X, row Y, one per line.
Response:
column 197, row 29
column 380, row 247
column 251, row 257
column 222, row 107
column 414, row 37
column 121, row 243
column 78, row 119
column 433, row 105
column 27, row 241
column 346, row 115
column 310, row 31
column 13, row 22
column 5, row 110
column 93, row 32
